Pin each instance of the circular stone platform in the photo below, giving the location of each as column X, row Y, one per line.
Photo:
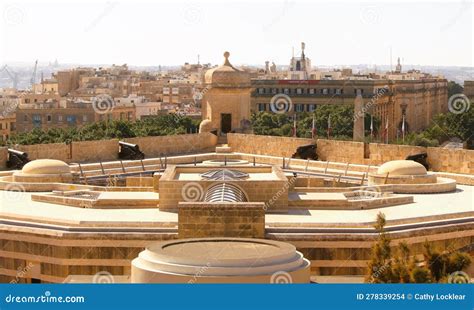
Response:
column 220, row 260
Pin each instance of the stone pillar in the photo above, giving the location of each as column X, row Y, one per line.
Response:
column 359, row 116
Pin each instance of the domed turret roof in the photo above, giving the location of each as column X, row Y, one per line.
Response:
column 402, row 167
column 46, row 166
column 227, row 75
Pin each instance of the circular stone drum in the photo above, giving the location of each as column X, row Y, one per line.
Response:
column 220, row 260
column 44, row 171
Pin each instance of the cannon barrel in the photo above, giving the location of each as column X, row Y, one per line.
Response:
column 307, row 151
column 420, row 158
column 17, row 159
column 130, row 151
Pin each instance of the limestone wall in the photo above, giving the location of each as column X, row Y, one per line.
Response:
column 93, row 151
column 381, row 153
column 238, row 220
column 265, row 145
column 60, row 151
column 451, row 160
column 107, row 150
column 439, row 159
column 177, row 144
column 340, row 151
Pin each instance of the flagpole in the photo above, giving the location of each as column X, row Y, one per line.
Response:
column 403, row 128
column 371, row 127
column 294, row 126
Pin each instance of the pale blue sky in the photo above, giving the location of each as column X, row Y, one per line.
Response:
column 172, row 32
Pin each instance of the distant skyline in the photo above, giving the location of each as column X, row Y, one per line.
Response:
column 171, row 33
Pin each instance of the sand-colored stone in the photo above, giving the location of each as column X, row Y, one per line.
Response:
column 220, row 260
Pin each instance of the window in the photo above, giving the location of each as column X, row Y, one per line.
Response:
column 25, row 118
column 1, row 126
column 299, row 107
column 325, row 91
column 49, row 118
column 338, row 91
column 261, row 90
column 286, row 91
column 60, row 118
column 311, row 91
column 311, row 107
column 71, row 119
column 129, row 116
column 262, row 107
column 299, row 91
column 37, row 120
column 274, row 90
column 84, row 118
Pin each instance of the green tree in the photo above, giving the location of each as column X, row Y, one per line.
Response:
column 387, row 266
column 454, row 88
column 160, row 125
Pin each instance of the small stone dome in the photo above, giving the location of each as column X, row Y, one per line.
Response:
column 205, row 126
column 227, row 76
column 46, row 166
column 402, row 167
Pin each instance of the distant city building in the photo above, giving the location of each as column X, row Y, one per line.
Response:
column 68, row 113
column 413, row 95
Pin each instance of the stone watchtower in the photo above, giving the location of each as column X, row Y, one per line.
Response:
column 226, row 101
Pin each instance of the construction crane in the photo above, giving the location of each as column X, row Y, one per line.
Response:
column 33, row 76
column 13, row 76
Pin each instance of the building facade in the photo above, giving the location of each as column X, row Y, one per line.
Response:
column 417, row 101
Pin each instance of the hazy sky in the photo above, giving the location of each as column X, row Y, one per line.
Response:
column 173, row 32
